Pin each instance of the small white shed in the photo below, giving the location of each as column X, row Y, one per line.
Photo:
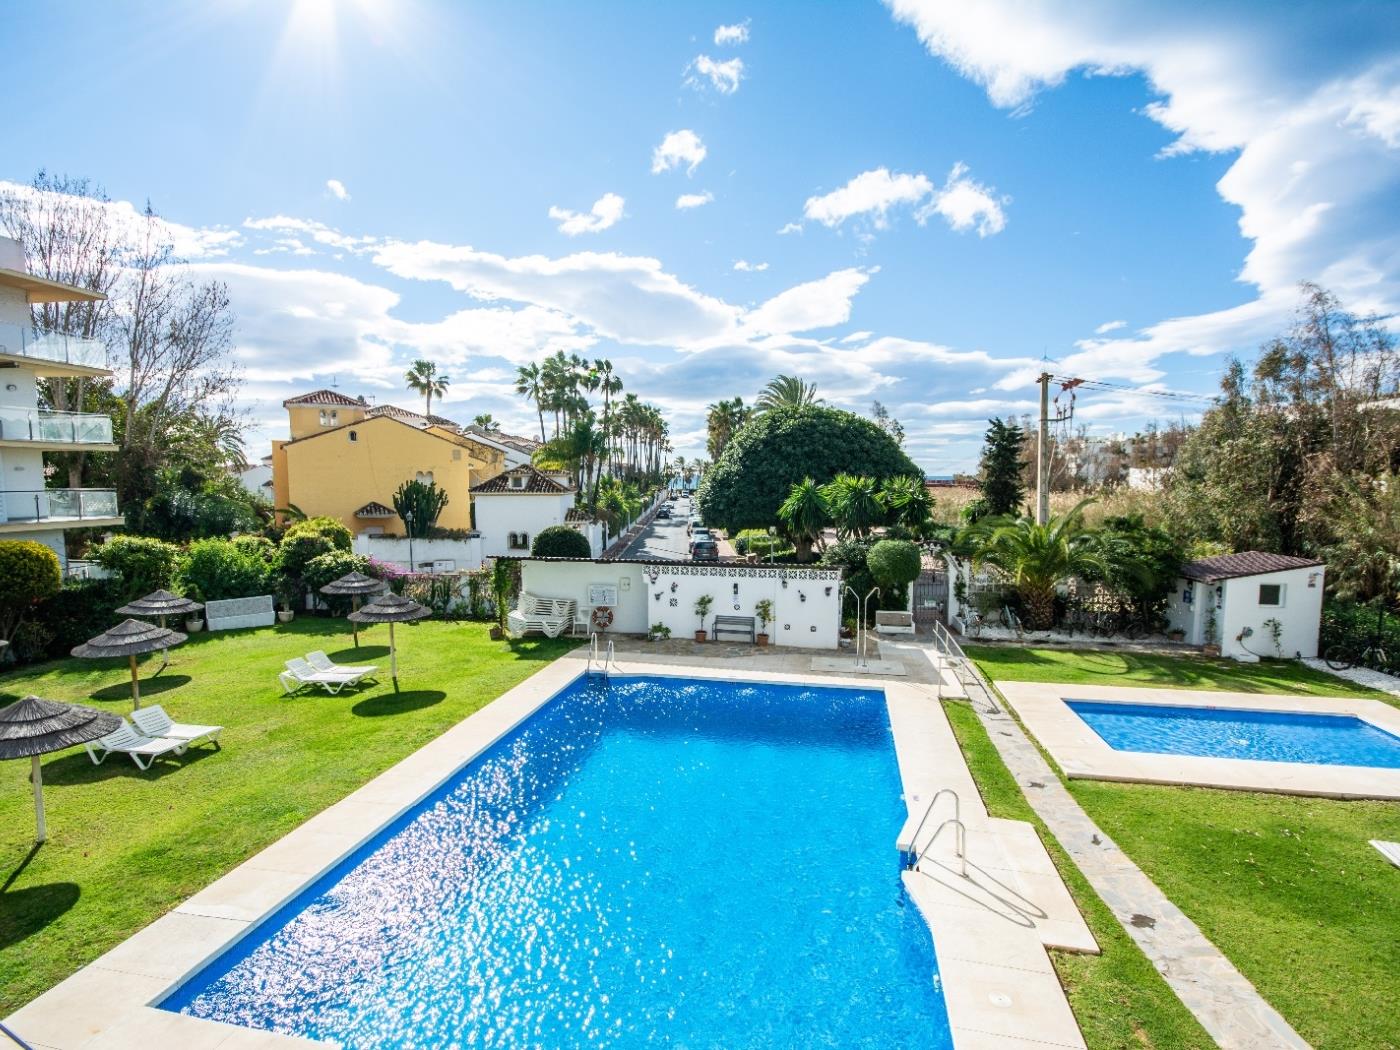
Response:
column 1241, row 601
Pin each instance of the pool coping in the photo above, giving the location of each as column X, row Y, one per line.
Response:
column 999, row 986
column 1083, row 755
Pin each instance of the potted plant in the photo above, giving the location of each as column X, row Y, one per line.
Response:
column 659, row 633
column 764, row 611
column 194, row 623
column 502, row 582
column 702, row 609
column 1211, row 647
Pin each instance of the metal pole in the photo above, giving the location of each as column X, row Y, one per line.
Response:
column 1042, row 482
column 865, row 646
column 37, row 776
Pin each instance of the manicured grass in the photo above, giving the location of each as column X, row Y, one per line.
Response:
column 1100, row 667
column 126, row 846
column 1119, row 1000
column 1287, row 887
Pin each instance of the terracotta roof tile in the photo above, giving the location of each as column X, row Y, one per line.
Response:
column 324, row 397
column 536, row 483
column 375, row 509
column 1246, row 563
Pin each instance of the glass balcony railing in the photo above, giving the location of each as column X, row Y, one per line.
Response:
column 64, row 349
column 57, row 505
column 76, row 428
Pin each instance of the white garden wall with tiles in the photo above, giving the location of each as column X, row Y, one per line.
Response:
column 1237, row 606
column 806, row 601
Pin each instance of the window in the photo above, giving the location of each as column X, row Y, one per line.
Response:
column 354, row 436
column 424, row 476
column 1271, row 594
column 519, row 541
column 517, row 481
column 328, row 417
column 456, row 453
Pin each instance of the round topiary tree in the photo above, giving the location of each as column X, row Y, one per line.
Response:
column 560, row 541
column 894, row 563
column 139, row 564
column 782, row 448
column 29, row 573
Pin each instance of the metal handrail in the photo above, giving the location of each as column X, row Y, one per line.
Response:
column 957, row 813
column 607, row 659
column 959, row 845
column 18, row 1041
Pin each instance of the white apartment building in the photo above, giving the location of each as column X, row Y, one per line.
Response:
column 29, row 509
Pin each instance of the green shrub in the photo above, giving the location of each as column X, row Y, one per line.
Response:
column 332, row 565
column 29, row 573
column 81, row 609
column 560, row 541
column 338, row 535
column 894, row 563
column 212, row 570
column 261, row 546
column 138, row 564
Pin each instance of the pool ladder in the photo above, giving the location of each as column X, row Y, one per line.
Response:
column 914, row 856
column 605, row 661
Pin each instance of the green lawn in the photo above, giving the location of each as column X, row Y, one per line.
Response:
column 1101, row 667
column 1287, row 887
column 1120, row 1001
column 125, row 846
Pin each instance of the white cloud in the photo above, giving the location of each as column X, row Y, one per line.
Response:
column 872, row 195
column 686, row 201
column 723, row 76
column 731, row 36
column 319, row 232
column 744, row 266
column 966, row 203
column 1110, row 326
column 677, row 148
column 338, row 190
column 607, row 211
column 790, row 227
column 1314, row 130
column 816, row 304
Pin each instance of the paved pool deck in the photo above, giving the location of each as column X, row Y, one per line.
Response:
column 991, row 925
column 1082, row 754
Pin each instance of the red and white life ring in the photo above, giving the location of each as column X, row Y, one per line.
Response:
column 602, row 617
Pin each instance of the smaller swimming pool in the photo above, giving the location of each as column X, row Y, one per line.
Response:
column 1265, row 736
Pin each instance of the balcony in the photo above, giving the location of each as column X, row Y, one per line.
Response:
column 67, row 351
column 57, row 430
column 59, row 507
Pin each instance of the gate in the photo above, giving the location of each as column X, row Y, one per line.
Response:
column 931, row 595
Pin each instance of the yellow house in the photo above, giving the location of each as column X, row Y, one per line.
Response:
column 346, row 458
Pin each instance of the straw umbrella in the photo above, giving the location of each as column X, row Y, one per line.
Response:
column 161, row 604
column 129, row 638
column 355, row 585
column 33, row 727
column 391, row 609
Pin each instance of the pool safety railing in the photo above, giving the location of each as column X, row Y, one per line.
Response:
column 602, row 662
column 915, row 854
column 14, row 1038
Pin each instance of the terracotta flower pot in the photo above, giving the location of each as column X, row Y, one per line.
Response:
column 699, row 636
column 761, row 638
column 497, row 633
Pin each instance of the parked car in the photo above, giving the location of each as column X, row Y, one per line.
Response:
column 693, row 524
column 664, row 512
column 704, row 550
column 700, row 535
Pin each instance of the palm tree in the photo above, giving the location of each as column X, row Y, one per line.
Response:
column 908, row 502
column 786, row 392
column 856, row 504
column 529, row 384
column 1037, row 557
column 423, row 379
column 486, row 421
column 804, row 515
column 723, row 420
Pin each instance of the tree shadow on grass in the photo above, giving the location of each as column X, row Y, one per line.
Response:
column 149, row 687
column 398, row 703
column 351, row 655
column 77, row 768
column 542, row 650
column 25, row 912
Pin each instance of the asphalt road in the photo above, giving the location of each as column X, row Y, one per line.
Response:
column 664, row 538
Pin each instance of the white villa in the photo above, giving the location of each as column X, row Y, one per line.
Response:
column 29, row 509
column 513, row 507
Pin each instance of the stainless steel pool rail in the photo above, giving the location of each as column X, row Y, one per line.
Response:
column 915, row 854
column 606, row 660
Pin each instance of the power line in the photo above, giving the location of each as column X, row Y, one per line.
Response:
column 1167, row 395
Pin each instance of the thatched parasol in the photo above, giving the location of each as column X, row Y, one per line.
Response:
column 161, row 604
column 32, row 727
column 129, row 638
column 355, row 585
column 391, row 609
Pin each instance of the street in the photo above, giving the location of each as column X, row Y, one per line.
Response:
column 664, row 539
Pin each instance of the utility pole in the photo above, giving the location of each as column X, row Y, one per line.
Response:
column 1042, row 458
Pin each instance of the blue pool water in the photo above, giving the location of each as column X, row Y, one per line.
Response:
column 1271, row 736
column 650, row 861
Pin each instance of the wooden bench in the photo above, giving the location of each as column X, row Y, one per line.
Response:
column 891, row 621
column 735, row 625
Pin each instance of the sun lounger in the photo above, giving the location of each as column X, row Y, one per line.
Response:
column 299, row 673
column 154, row 722
column 127, row 741
column 1389, row 850
column 322, row 662
column 550, row 616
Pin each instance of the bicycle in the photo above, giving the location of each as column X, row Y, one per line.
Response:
column 1343, row 657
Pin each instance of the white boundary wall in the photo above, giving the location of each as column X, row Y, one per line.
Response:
column 464, row 554
column 806, row 601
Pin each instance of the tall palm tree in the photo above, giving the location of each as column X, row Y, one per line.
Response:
column 786, row 392
column 856, row 504
column 1038, row 557
column 529, row 384
column 486, row 421
column 423, row 378
column 722, row 421
column 908, row 502
column 804, row 515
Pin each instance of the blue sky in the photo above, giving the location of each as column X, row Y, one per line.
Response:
column 905, row 201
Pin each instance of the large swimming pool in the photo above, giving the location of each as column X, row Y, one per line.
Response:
column 1271, row 736
column 649, row 861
